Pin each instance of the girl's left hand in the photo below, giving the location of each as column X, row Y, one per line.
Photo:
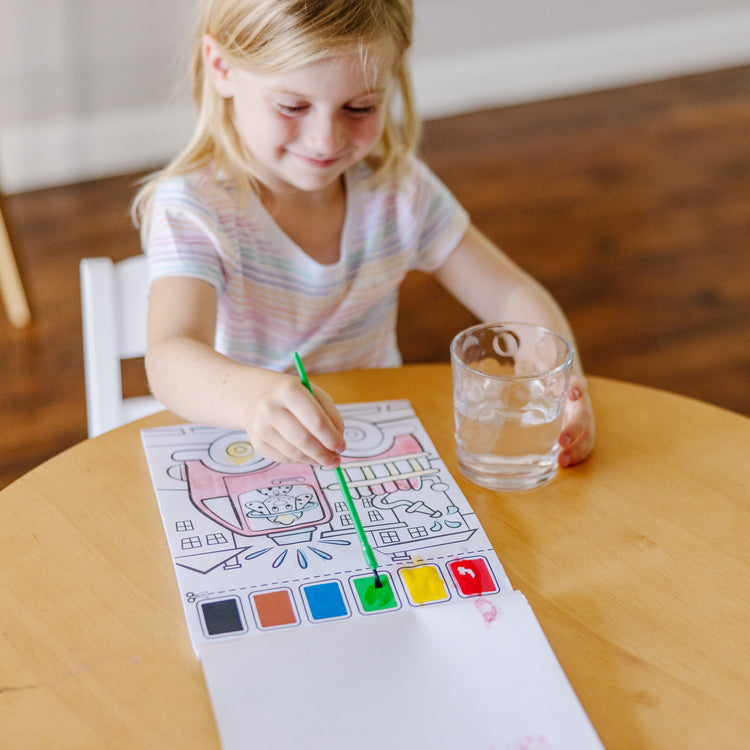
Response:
column 577, row 437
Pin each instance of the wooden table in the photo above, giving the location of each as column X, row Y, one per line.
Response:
column 637, row 565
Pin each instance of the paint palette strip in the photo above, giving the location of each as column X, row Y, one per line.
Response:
column 334, row 599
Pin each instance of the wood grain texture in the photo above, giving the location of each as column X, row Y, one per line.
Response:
column 635, row 564
column 632, row 206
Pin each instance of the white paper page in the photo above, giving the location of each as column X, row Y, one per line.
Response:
column 476, row 675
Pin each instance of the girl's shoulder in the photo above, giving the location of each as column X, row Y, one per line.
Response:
column 411, row 175
column 203, row 191
column 410, row 185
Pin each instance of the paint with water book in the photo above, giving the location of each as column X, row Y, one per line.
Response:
column 301, row 649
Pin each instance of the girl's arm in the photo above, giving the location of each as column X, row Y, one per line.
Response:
column 494, row 288
column 185, row 372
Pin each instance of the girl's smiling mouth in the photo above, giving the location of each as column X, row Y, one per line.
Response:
column 317, row 161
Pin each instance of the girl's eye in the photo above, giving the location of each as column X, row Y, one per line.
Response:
column 361, row 111
column 292, row 110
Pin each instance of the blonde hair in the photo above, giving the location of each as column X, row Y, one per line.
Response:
column 269, row 37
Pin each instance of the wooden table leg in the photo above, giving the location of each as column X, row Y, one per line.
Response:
column 11, row 287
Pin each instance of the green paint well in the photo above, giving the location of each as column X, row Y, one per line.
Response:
column 375, row 599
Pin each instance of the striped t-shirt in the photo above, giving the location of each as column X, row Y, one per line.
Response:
column 273, row 299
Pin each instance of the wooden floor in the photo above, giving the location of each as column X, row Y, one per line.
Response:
column 632, row 206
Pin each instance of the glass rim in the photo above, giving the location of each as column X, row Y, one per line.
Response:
column 565, row 364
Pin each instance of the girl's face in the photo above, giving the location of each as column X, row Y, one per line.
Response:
column 307, row 126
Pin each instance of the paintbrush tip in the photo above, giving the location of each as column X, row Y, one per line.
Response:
column 378, row 582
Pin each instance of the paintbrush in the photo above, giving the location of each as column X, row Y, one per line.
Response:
column 366, row 548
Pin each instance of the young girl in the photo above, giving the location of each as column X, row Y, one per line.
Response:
column 292, row 217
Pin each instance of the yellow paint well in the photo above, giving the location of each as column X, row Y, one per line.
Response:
column 425, row 584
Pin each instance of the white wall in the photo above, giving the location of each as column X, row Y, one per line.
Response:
column 512, row 52
column 89, row 87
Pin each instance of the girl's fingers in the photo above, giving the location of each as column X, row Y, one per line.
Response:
column 294, row 427
column 291, row 439
column 577, row 437
column 329, row 407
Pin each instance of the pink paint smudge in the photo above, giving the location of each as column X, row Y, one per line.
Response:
column 530, row 743
column 487, row 609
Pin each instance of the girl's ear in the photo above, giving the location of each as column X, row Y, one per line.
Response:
column 217, row 68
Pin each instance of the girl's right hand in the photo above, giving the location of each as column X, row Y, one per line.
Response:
column 287, row 424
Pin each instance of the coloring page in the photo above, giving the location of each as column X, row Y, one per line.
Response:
column 260, row 546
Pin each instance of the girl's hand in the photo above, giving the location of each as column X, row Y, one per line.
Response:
column 577, row 437
column 285, row 423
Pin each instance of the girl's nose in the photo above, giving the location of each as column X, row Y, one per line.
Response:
column 325, row 134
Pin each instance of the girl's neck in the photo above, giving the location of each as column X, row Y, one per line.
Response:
column 314, row 220
column 289, row 198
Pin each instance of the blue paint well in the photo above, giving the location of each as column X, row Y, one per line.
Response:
column 325, row 601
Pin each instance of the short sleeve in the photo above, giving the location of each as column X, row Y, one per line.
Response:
column 443, row 220
column 185, row 238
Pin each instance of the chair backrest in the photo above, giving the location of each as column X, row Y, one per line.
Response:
column 113, row 302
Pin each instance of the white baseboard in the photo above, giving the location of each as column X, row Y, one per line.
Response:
column 72, row 149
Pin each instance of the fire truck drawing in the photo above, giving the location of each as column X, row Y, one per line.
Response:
column 243, row 508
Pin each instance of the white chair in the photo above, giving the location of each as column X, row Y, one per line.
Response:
column 113, row 301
